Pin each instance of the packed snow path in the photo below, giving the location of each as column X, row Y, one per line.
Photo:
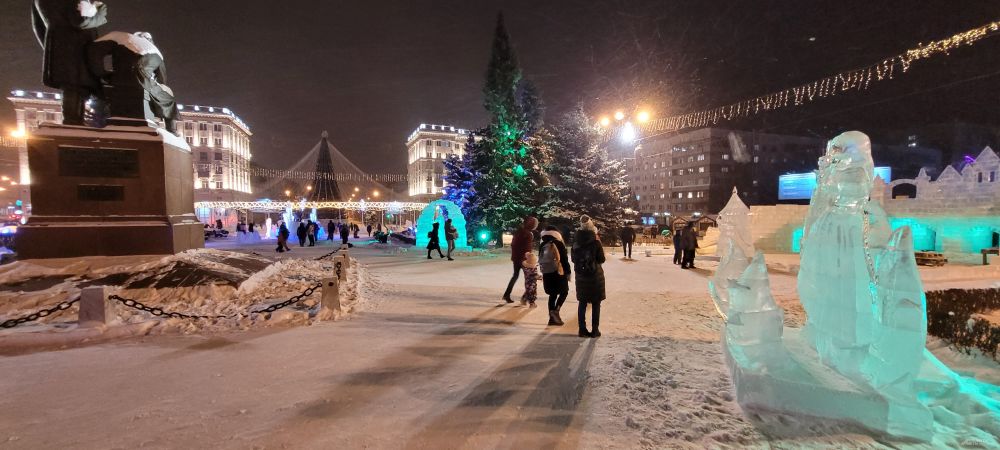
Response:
column 430, row 361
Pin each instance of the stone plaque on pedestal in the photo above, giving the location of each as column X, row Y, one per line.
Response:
column 119, row 190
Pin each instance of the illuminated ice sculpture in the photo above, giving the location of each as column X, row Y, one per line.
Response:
column 440, row 211
column 861, row 356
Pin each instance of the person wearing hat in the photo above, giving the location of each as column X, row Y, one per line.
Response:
column 553, row 262
column 588, row 256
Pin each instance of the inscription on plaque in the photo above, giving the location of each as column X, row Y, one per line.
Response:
column 98, row 162
column 100, row 192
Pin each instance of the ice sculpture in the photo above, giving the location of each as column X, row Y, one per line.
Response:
column 860, row 356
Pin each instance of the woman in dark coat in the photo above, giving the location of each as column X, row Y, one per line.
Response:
column 689, row 242
column 588, row 255
column 302, row 232
column 435, row 240
column 554, row 264
column 283, row 234
column 678, row 248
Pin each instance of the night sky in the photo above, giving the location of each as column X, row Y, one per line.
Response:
column 370, row 72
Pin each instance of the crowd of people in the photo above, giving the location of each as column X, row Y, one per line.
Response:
column 556, row 261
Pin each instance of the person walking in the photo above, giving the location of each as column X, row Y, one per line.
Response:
column 356, row 229
column 283, row 235
column 369, row 230
column 689, row 242
column 311, row 229
column 435, row 241
column 678, row 248
column 450, row 235
column 331, row 230
column 554, row 265
column 301, row 232
column 530, row 265
column 588, row 256
column 345, row 234
column 628, row 238
column 520, row 245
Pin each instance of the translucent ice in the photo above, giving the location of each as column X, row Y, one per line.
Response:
column 754, row 317
column 735, row 248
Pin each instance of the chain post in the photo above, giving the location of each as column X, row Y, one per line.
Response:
column 95, row 308
column 331, row 294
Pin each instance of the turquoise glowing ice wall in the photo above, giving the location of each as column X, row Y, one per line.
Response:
column 954, row 234
column 439, row 211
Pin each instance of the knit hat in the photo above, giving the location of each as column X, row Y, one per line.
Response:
column 530, row 260
column 587, row 224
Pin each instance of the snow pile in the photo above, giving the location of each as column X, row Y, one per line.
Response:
column 201, row 282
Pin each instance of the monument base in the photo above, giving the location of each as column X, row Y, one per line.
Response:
column 110, row 191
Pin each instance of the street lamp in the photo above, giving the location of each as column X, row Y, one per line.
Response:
column 642, row 116
column 605, row 121
column 375, row 193
column 288, row 193
column 309, row 188
column 628, row 133
column 619, row 115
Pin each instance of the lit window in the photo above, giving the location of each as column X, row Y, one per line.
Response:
column 725, row 156
column 725, row 170
column 680, row 195
column 756, row 158
column 218, row 170
column 690, row 194
column 701, row 157
column 701, row 169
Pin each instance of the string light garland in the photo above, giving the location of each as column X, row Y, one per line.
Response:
column 858, row 79
column 306, row 175
column 275, row 206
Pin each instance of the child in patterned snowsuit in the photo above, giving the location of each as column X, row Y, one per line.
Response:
column 530, row 279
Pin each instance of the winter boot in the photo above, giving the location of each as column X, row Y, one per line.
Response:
column 557, row 317
column 552, row 318
column 585, row 334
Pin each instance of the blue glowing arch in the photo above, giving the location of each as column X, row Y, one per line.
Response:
column 439, row 211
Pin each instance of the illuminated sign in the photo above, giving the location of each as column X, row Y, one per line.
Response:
column 800, row 186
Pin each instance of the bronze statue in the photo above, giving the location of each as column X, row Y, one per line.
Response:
column 65, row 28
column 135, row 83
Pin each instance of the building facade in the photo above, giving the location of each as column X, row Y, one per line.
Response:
column 694, row 173
column 219, row 140
column 427, row 147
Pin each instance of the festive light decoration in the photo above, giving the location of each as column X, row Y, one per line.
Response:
column 272, row 206
column 858, row 79
column 312, row 175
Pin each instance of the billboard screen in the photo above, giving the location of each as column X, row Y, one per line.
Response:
column 800, row 186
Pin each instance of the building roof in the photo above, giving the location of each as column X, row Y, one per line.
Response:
column 430, row 128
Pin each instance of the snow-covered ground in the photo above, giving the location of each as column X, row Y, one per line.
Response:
column 429, row 359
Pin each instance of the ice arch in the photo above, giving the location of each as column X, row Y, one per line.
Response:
column 439, row 211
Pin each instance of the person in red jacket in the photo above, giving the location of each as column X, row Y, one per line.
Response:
column 522, row 243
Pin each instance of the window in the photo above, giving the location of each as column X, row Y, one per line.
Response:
column 190, row 126
column 204, row 184
column 218, row 170
column 218, row 142
column 701, row 157
column 680, row 195
column 690, row 194
column 661, row 186
column 218, row 185
column 203, row 126
column 217, row 127
column 439, row 143
column 980, row 177
column 993, row 176
column 725, row 156
column 756, row 158
column 50, row 116
column 654, row 165
column 203, row 142
column 218, row 156
column 701, row 169
column 429, row 143
column 662, row 196
column 190, row 140
column 690, row 170
column 725, row 170
column 203, row 156
column 690, row 159
column 701, row 194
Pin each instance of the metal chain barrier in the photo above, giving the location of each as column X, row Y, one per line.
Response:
column 327, row 255
column 39, row 314
column 298, row 298
column 159, row 312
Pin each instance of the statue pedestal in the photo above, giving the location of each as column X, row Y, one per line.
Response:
column 109, row 191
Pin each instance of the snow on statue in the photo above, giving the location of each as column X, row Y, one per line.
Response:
column 861, row 355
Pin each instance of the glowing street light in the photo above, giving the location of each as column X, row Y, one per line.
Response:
column 605, row 121
column 628, row 133
column 309, row 188
column 375, row 193
column 288, row 193
column 356, row 189
column 18, row 134
column 619, row 115
column 642, row 116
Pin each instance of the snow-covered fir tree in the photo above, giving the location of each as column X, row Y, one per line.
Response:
column 508, row 170
column 584, row 180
